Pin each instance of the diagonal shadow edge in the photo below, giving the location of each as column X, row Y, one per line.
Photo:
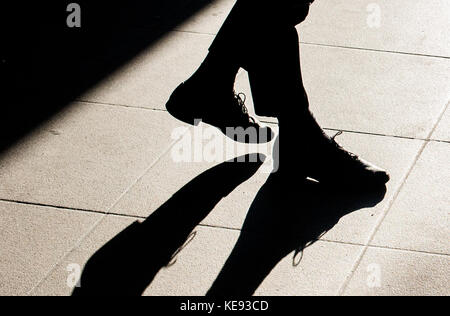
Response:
column 44, row 65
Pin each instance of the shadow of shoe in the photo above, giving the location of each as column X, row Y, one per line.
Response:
column 282, row 221
column 127, row 264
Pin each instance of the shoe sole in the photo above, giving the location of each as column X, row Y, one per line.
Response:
column 176, row 103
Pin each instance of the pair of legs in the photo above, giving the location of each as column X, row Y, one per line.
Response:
column 260, row 36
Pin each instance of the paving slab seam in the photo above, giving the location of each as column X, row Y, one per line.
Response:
column 194, row 32
column 430, row 253
column 270, row 122
column 387, row 248
column 439, row 141
column 121, row 105
column 375, row 50
column 208, row 226
column 338, row 46
column 390, row 204
column 375, row 134
column 333, row 241
column 100, row 220
column 323, row 240
column 59, row 207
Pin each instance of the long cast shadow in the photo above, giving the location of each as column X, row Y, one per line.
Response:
column 128, row 263
column 281, row 220
column 285, row 220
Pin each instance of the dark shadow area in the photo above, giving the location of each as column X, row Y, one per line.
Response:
column 44, row 64
column 281, row 220
column 127, row 264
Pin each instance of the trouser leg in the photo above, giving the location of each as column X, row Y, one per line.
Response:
column 258, row 37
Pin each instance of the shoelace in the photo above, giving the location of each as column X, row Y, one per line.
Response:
column 340, row 148
column 240, row 100
column 337, row 135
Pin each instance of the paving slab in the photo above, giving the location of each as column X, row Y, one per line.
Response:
column 149, row 79
column 381, row 25
column 375, row 92
column 420, row 220
column 61, row 279
column 384, row 272
column 33, row 240
column 442, row 131
column 85, row 157
column 210, row 19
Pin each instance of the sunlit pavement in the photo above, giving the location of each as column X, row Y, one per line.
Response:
column 377, row 70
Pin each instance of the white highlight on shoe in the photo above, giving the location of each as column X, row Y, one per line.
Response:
column 207, row 144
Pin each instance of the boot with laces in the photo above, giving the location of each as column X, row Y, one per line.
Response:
column 324, row 160
column 226, row 112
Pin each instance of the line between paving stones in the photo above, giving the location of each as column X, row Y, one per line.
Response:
column 335, row 242
column 391, row 203
column 339, row 46
column 120, row 105
column 59, row 207
column 376, row 50
column 274, row 122
column 209, row 226
column 100, row 220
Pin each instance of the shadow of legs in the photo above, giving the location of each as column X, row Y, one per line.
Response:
column 283, row 220
column 127, row 264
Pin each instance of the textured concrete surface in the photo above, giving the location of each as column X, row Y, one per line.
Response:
column 419, row 219
column 401, row 273
column 33, row 240
column 85, row 157
column 79, row 181
column 149, row 79
column 443, row 129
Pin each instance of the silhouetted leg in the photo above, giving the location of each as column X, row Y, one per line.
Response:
column 251, row 27
column 233, row 44
column 260, row 37
column 271, row 55
column 208, row 95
